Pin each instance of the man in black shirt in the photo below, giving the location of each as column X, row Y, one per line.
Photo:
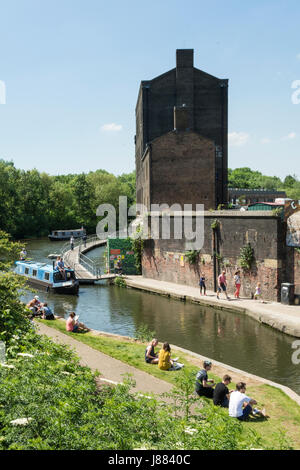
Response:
column 221, row 392
column 204, row 385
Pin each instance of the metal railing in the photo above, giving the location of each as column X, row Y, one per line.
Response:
column 82, row 262
column 78, row 260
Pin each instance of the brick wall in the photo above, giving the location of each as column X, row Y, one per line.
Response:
column 164, row 259
column 182, row 166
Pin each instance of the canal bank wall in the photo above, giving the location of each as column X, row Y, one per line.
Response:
column 225, row 238
column 285, row 318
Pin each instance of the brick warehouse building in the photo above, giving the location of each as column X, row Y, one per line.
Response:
column 181, row 137
column 181, row 157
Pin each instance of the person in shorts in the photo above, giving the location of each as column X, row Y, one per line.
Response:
column 204, row 385
column 222, row 284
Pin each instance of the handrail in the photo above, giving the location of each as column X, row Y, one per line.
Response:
column 90, row 265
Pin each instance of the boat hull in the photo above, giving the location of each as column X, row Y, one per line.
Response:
column 65, row 290
column 60, row 239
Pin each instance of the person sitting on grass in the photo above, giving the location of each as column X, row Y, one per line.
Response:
column 204, row 385
column 34, row 306
column 73, row 325
column 47, row 313
column 150, row 355
column 221, row 392
column 240, row 403
column 164, row 357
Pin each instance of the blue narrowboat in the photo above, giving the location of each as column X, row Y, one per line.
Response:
column 44, row 275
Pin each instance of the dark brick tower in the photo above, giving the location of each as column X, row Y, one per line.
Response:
column 181, row 137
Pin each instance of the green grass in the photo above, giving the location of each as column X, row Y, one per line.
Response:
column 284, row 412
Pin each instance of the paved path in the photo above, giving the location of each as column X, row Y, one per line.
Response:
column 285, row 318
column 84, row 269
column 110, row 368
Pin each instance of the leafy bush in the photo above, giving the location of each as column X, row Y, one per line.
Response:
column 246, row 257
column 143, row 333
column 120, row 282
column 192, row 256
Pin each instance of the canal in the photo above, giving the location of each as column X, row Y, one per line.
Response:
column 231, row 338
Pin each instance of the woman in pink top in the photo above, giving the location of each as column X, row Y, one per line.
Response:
column 222, row 284
column 71, row 325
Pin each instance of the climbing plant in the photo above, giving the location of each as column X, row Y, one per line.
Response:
column 137, row 245
column 215, row 224
column 246, row 257
column 192, row 256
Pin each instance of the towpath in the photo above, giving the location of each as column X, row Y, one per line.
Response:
column 285, row 318
column 111, row 369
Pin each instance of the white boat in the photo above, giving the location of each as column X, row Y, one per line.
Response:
column 57, row 235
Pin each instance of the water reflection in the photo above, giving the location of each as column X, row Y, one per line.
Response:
column 234, row 339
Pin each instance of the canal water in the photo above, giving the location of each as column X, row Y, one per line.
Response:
column 231, row 338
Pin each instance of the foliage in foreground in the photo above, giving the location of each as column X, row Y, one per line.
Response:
column 65, row 410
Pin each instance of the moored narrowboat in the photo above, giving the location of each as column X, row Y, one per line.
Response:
column 44, row 275
column 60, row 235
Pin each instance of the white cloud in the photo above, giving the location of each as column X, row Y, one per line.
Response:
column 237, row 139
column 112, row 127
column 290, row 136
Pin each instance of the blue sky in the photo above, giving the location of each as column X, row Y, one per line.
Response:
column 72, row 70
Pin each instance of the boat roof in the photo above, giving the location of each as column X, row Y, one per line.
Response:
column 70, row 230
column 40, row 266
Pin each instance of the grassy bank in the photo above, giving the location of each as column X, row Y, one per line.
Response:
column 281, row 430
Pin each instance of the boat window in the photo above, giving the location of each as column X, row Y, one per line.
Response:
column 70, row 275
column 26, row 270
column 55, row 233
column 34, row 272
column 57, row 277
column 47, row 276
column 63, row 233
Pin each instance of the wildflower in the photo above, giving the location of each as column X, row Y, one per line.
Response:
column 21, row 421
column 8, row 366
column 25, row 355
column 189, row 430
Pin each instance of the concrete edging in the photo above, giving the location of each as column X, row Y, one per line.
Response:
column 288, row 391
column 280, row 324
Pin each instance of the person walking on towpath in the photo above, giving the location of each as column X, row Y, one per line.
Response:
column 222, row 284
column 72, row 243
column 237, row 282
column 202, row 284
